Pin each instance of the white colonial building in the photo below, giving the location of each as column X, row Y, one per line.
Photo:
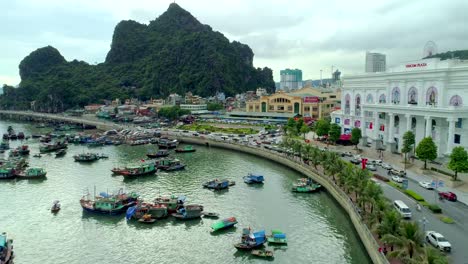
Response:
column 429, row 97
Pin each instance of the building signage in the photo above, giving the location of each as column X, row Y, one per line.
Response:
column 416, row 65
column 337, row 120
column 311, row 99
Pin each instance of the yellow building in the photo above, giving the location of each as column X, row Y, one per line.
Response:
column 307, row 102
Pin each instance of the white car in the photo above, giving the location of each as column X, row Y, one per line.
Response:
column 426, row 185
column 397, row 179
column 386, row 166
column 371, row 167
column 375, row 162
column 438, row 241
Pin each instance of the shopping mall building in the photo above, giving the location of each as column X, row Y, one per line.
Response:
column 425, row 96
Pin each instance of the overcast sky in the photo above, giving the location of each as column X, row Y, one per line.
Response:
column 305, row 34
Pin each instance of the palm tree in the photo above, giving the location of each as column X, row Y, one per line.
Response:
column 373, row 192
column 315, row 157
column 408, row 241
column 333, row 164
column 344, row 174
column 390, row 223
column 429, row 255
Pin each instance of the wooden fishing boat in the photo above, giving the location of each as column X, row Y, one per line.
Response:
column 52, row 147
column 55, row 206
column 210, row 215
column 306, row 188
column 159, row 154
column 140, row 170
column 38, row 155
column 262, row 253
column 7, row 173
column 172, row 202
column 147, row 219
column 31, row 173
column 253, row 178
column 6, row 136
column 251, row 240
column 167, row 144
column 107, row 204
column 6, row 249
column 223, row 224
column 277, row 237
column 218, row 184
column 60, row 153
column 86, row 157
column 168, row 164
column 186, row 149
column 157, row 211
column 118, row 171
column 188, row 212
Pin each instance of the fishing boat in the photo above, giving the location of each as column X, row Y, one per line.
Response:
column 31, row 173
column 6, row 249
column 172, row 202
column 188, row 148
column 20, row 151
column 167, row 144
column 147, row 219
column 168, row 164
column 188, row 212
column 252, row 178
column 218, row 184
column 304, row 182
column 108, row 204
column 306, row 188
column 277, row 237
column 144, row 169
column 38, row 155
column 52, row 147
column 262, row 253
column 223, row 224
column 20, row 135
column 55, row 206
column 159, row 154
column 156, row 211
column 6, row 136
column 4, row 145
column 95, row 144
column 118, row 171
column 86, row 157
column 7, row 173
column 60, row 153
column 210, row 214
column 251, row 240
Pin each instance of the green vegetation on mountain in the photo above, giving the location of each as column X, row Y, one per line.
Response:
column 460, row 54
column 173, row 54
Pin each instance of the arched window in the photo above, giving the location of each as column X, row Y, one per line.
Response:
column 396, row 121
column 396, row 95
column 413, row 123
column 370, row 99
column 413, row 96
column 456, row 100
column 431, row 96
column 357, row 109
column 347, row 104
column 382, row 99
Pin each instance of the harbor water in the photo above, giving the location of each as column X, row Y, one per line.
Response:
column 317, row 228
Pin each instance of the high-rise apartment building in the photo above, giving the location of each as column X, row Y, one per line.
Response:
column 290, row 80
column 375, row 62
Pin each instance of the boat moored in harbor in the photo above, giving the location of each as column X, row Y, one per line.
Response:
column 186, row 149
column 188, row 212
column 6, row 249
column 224, row 224
column 31, row 173
column 218, row 184
column 253, row 178
column 159, row 154
column 251, row 240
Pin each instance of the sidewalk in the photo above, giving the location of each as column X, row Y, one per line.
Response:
column 414, row 171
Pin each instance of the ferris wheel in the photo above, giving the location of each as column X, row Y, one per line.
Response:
column 429, row 49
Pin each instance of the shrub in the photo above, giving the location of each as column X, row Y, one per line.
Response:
column 382, row 178
column 447, row 220
column 414, row 195
column 394, row 185
column 442, row 171
column 435, row 208
column 424, row 203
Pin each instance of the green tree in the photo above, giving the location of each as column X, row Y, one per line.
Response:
column 458, row 161
column 299, row 124
column 426, row 150
column 408, row 142
column 334, row 133
column 291, row 125
column 356, row 136
column 304, row 130
column 407, row 242
column 214, row 106
column 322, row 127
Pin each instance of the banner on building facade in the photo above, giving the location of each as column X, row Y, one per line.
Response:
column 310, row 99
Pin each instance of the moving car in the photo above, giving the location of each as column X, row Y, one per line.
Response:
column 374, row 162
column 371, row 167
column 438, row 241
column 396, row 178
column 386, row 166
column 400, row 173
column 346, row 154
column 426, row 185
column 448, row 195
column 355, row 161
column 402, row 208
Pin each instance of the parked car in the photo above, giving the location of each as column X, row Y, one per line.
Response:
column 346, row 154
column 438, row 241
column 355, row 161
column 397, row 179
column 448, row 195
column 426, row 185
column 371, row 167
column 386, row 166
column 400, row 173
column 374, row 162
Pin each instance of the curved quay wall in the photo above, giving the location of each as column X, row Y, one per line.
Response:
column 366, row 237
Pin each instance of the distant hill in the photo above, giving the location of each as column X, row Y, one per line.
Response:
column 174, row 53
column 460, row 54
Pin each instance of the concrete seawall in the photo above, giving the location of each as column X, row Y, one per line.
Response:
column 365, row 235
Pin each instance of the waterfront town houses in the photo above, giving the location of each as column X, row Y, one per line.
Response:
column 428, row 97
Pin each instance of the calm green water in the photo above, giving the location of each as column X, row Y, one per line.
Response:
column 317, row 228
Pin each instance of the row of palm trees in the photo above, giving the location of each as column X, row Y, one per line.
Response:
column 404, row 239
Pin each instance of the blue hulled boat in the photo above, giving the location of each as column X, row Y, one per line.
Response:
column 253, row 178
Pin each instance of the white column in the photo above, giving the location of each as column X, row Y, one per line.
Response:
column 451, row 134
column 376, row 126
column 390, row 128
column 408, row 122
column 428, row 126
